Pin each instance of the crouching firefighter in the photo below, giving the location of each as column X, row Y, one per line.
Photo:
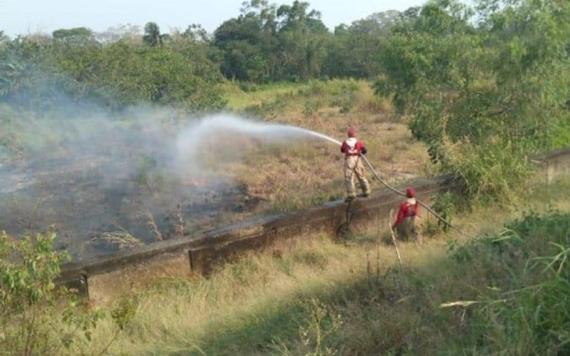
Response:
column 352, row 149
column 405, row 224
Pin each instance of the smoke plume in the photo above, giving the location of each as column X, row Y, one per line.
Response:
column 104, row 179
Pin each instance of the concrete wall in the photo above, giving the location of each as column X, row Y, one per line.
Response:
column 100, row 278
column 555, row 164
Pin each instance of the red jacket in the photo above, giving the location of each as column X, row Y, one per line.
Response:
column 407, row 209
column 352, row 147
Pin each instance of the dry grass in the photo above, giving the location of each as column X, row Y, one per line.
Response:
column 279, row 300
column 309, row 173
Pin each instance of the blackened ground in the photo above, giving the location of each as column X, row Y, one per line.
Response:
column 97, row 204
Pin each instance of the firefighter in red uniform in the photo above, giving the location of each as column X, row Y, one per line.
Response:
column 352, row 149
column 405, row 224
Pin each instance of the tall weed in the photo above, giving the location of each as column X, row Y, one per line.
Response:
column 491, row 172
column 526, row 308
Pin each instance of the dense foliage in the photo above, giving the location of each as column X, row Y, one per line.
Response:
column 485, row 86
column 72, row 65
column 264, row 43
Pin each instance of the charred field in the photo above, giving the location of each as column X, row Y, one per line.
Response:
column 106, row 181
column 107, row 191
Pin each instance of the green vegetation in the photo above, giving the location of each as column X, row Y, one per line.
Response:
column 481, row 86
column 484, row 86
column 73, row 69
column 35, row 318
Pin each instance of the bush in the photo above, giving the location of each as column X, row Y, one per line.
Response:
column 35, row 316
column 487, row 172
column 445, row 205
column 484, row 86
column 59, row 73
column 525, row 309
column 311, row 107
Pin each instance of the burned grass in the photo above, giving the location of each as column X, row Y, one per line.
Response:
column 109, row 184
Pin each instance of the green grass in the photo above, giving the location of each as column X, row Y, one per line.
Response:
column 307, row 97
column 256, row 94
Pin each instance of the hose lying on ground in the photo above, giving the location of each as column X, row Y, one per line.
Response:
column 426, row 206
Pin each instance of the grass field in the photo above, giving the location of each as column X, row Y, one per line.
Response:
column 282, row 177
column 133, row 152
column 317, row 296
column 306, row 174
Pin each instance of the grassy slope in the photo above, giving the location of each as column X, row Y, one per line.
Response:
column 280, row 177
column 317, row 296
column 306, row 174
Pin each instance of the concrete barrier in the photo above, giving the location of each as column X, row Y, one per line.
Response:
column 555, row 164
column 101, row 277
column 98, row 277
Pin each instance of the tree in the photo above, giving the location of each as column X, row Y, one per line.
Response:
column 36, row 317
column 3, row 37
column 302, row 37
column 353, row 52
column 484, row 86
column 152, row 35
column 196, row 33
column 248, row 43
column 270, row 43
column 73, row 33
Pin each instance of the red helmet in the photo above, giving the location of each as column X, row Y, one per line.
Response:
column 351, row 132
column 410, row 192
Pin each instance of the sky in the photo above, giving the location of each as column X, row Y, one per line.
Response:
column 32, row 16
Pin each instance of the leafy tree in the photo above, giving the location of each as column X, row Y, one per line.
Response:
column 353, row 52
column 302, row 37
column 152, row 35
column 484, row 86
column 247, row 42
column 270, row 43
column 3, row 37
column 77, row 32
column 197, row 33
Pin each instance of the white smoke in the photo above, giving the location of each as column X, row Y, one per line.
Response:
column 90, row 172
column 229, row 131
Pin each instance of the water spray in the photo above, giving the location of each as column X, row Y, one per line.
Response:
column 386, row 184
column 190, row 143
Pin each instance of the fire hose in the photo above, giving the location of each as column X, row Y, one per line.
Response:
column 425, row 205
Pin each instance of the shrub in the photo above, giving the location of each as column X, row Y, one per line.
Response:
column 35, row 316
column 496, row 86
column 525, row 310
column 487, row 172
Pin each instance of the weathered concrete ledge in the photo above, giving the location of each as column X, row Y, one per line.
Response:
column 199, row 253
column 556, row 163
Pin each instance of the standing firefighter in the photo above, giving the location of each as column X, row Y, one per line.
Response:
column 352, row 148
column 405, row 223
